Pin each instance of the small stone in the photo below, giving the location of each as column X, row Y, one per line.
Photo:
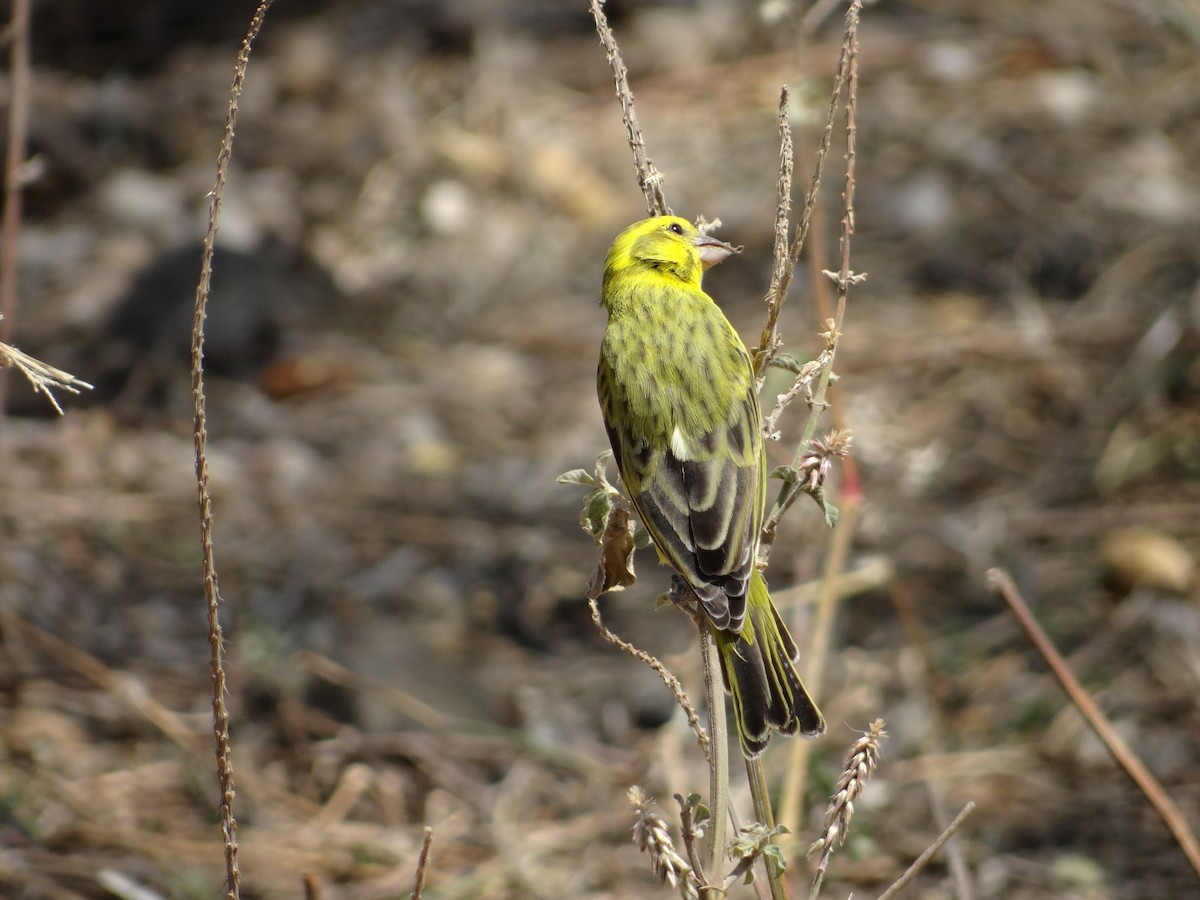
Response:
column 1139, row 557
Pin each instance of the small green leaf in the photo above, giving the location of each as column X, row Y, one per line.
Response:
column 576, row 476
column 785, row 473
column 775, row 858
column 788, row 363
column 830, row 511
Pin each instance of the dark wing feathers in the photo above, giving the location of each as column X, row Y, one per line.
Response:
column 701, row 511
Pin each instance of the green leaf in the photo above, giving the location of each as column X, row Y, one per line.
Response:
column 576, row 476
column 830, row 511
column 785, row 473
column 788, row 363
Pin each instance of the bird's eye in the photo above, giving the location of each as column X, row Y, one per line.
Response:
column 676, row 227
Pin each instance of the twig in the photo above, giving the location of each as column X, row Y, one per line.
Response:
column 917, row 679
column 818, row 650
column 422, row 863
column 1000, row 581
column 923, row 860
column 768, row 344
column 650, row 180
column 781, row 260
column 845, row 277
column 14, row 172
column 200, row 438
column 756, row 774
column 664, row 673
column 718, row 768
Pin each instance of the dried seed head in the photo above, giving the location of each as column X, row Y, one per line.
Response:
column 859, row 766
column 651, row 835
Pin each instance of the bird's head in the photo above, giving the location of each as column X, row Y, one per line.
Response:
column 669, row 245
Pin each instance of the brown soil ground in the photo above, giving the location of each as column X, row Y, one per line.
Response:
column 425, row 193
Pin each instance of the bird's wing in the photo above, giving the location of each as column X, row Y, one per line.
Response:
column 700, row 498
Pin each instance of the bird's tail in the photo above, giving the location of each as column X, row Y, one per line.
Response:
column 759, row 668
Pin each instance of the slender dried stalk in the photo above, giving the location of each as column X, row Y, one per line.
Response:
column 1001, row 582
column 781, row 259
column 422, row 864
column 14, row 174
column 718, row 762
column 923, row 860
column 844, row 277
column 664, row 673
column 768, row 346
column 212, row 595
column 650, row 180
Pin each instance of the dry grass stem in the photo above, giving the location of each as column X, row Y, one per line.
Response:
column 828, row 597
column 14, row 177
column 422, row 863
column 781, row 260
column 663, row 672
column 785, row 264
column 718, row 749
column 650, row 180
column 859, row 766
column 651, row 835
column 923, row 860
column 1001, row 582
column 42, row 377
column 847, row 72
column 200, row 437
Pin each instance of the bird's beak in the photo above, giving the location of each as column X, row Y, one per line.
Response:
column 713, row 251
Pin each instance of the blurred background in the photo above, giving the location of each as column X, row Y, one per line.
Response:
column 401, row 343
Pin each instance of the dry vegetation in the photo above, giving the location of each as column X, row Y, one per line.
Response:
column 408, row 643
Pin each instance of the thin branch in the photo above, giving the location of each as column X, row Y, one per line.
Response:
column 650, row 180
column 818, row 650
column 756, row 775
column 923, row 860
column 781, row 260
column 768, row 344
column 1000, row 581
column 718, row 769
column 14, row 173
column 664, row 673
column 845, row 277
column 200, row 438
column 422, row 863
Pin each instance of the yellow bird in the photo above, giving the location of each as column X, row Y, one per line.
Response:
column 678, row 396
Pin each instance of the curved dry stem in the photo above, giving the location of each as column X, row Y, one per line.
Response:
column 14, row 164
column 663, row 672
column 650, row 180
column 785, row 263
column 845, row 277
column 1000, row 581
column 923, row 860
column 200, row 439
